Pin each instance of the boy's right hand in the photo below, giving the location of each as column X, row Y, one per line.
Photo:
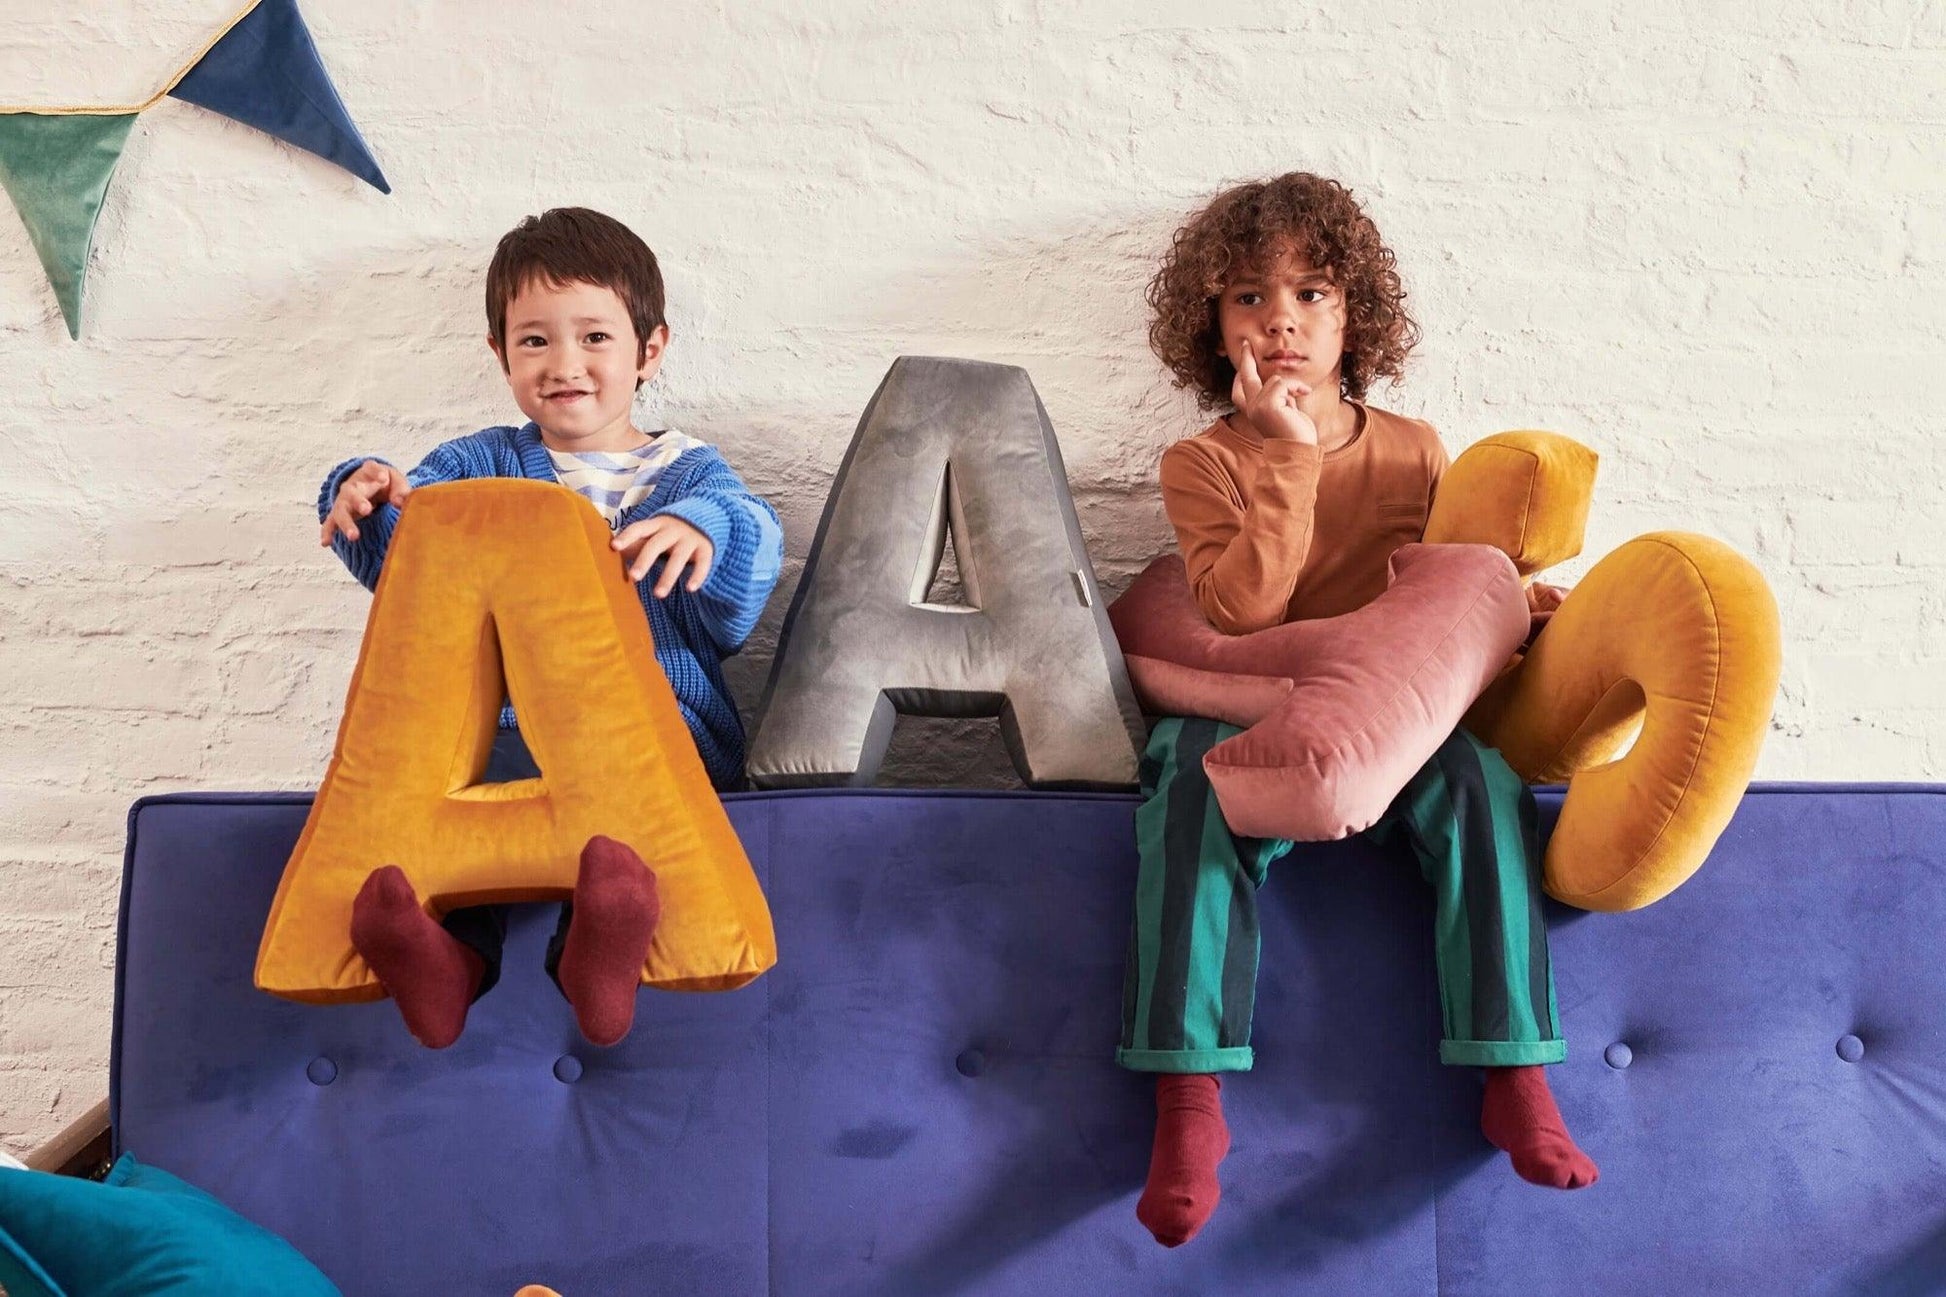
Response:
column 1271, row 408
column 370, row 485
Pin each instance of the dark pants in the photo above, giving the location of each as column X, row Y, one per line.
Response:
column 1191, row 985
column 483, row 928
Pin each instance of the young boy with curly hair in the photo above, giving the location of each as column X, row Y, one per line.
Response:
column 1280, row 304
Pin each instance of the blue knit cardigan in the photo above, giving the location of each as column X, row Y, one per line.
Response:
column 693, row 632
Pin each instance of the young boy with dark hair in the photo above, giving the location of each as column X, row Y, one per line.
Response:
column 574, row 304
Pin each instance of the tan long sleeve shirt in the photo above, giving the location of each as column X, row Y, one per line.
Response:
column 1276, row 531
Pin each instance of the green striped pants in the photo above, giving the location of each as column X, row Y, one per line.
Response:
column 1192, row 967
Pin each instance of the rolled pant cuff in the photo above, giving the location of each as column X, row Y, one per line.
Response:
column 1189, row 1061
column 1502, row 1053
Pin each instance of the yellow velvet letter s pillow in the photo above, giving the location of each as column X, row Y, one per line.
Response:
column 506, row 585
column 1671, row 644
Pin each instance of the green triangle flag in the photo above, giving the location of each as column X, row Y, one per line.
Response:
column 56, row 168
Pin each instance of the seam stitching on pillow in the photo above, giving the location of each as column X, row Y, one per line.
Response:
column 1527, row 505
column 1709, row 721
column 1382, row 708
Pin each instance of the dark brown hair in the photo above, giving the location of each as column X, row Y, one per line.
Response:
column 568, row 245
column 1241, row 232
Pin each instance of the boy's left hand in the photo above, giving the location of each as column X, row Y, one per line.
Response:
column 642, row 543
column 1542, row 600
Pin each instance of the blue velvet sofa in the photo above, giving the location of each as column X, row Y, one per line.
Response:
column 920, row 1098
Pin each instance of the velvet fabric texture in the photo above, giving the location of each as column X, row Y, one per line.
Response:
column 1340, row 711
column 265, row 72
column 1671, row 641
column 923, row 1099
column 1527, row 494
column 142, row 1232
column 493, row 588
column 964, row 448
column 56, row 168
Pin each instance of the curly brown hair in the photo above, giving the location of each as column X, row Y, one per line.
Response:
column 1242, row 231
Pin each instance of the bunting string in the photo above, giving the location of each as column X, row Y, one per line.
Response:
column 261, row 69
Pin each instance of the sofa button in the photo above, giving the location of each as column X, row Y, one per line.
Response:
column 1851, row 1048
column 971, row 1062
column 322, row 1071
column 567, row 1069
column 1618, row 1055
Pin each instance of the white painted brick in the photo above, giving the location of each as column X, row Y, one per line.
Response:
column 203, row 538
column 44, row 819
column 1707, row 241
column 100, row 673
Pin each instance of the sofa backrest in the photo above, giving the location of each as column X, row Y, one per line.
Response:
column 921, row 1097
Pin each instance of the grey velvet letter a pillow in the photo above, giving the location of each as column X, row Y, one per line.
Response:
column 962, row 444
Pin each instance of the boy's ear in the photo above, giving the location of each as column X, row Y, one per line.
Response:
column 498, row 354
column 652, row 348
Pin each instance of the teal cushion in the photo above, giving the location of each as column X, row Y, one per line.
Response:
column 140, row 1233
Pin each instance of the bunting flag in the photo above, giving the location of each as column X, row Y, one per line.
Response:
column 56, row 169
column 265, row 73
column 262, row 70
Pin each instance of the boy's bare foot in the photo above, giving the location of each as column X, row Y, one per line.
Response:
column 1519, row 1116
column 429, row 973
column 615, row 913
column 1190, row 1139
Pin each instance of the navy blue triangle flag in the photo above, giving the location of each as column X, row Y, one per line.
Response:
column 264, row 72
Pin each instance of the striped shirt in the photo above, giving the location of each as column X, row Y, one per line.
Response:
column 615, row 481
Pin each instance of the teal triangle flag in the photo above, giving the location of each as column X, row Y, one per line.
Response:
column 56, row 168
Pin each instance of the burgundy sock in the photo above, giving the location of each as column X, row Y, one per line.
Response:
column 1518, row 1116
column 429, row 973
column 615, row 913
column 1190, row 1139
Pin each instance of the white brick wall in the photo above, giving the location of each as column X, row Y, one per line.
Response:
column 1706, row 239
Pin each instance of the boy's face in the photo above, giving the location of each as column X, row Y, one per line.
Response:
column 1292, row 316
column 573, row 360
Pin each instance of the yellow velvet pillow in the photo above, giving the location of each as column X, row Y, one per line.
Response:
column 1672, row 640
column 1524, row 493
column 492, row 585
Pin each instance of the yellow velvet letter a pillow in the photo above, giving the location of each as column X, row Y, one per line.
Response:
column 507, row 585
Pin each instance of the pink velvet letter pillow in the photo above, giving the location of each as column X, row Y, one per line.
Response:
column 1341, row 712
